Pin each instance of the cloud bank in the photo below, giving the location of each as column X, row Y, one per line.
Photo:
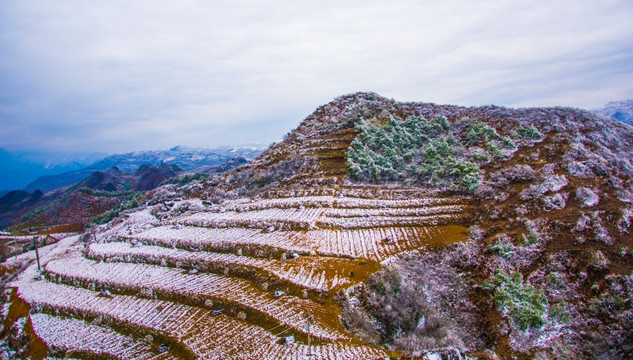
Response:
column 118, row 76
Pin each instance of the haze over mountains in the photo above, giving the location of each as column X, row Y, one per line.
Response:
column 24, row 171
column 17, row 169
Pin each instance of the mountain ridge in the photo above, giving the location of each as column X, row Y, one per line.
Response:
column 19, row 168
column 532, row 262
column 186, row 158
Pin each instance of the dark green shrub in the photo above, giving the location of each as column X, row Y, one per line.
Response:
column 527, row 133
column 527, row 240
column 524, row 304
column 560, row 311
column 479, row 132
column 501, row 248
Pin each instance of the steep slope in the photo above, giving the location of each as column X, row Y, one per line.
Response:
column 17, row 202
column 530, row 258
column 150, row 177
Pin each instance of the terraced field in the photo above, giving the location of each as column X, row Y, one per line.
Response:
column 232, row 281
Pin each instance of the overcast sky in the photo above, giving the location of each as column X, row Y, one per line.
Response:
column 117, row 76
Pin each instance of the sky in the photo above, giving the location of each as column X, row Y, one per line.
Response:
column 125, row 75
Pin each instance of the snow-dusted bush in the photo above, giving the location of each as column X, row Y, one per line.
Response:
column 598, row 260
column 522, row 210
column 555, row 202
column 582, row 223
column 417, row 151
column 527, row 133
column 579, row 170
column 625, row 220
column 593, row 222
column 502, row 246
column 602, row 234
column 549, row 169
column 476, row 233
column 598, row 166
column 509, row 257
column 515, row 174
column 552, row 183
column 587, row 197
column 528, row 240
column 520, row 301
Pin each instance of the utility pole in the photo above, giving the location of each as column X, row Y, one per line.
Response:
column 93, row 232
column 37, row 254
column 309, row 321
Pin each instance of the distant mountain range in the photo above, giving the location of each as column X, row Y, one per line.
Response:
column 17, row 169
column 619, row 110
column 101, row 192
column 186, row 158
column 51, row 200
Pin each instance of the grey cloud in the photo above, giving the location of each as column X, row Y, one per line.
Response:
column 120, row 75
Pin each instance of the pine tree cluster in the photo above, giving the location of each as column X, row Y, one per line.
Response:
column 421, row 151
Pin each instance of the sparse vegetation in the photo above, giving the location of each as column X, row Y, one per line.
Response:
column 133, row 200
column 416, row 303
column 105, row 193
column 613, row 311
column 34, row 213
column 185, row 179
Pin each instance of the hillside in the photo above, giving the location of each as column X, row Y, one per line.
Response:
column 98, row 197
column 375, row 229
column 15, row 204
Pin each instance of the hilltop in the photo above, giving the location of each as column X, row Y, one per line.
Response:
column 393, row 229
